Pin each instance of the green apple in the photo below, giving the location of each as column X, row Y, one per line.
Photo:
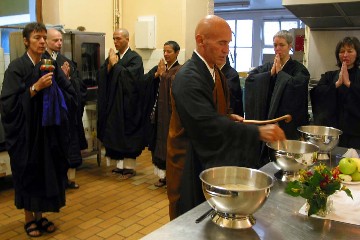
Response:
column 357, row 160
column 355, row 176
column 345, row 178
column 347, row 166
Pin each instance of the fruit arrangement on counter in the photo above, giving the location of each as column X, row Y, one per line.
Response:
column 349, row 169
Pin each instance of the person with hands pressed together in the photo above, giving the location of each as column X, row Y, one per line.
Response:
column 37, row 150
column 161, row 68
column 159, row 80
column 152, row 81
column 113, row 58
column 344, row 74
column 202, row 134
column 336, row 98
column 120, row 106
column 278, row 88
column 54, row 45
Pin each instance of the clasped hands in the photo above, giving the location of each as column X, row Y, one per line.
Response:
column 113, row 58
column 276, row 67
column 66, row 69
column 343, row 76
column 161, row 68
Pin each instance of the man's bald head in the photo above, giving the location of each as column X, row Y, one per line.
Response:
column 121, row 39
column 124, row 32
column 213, row 35
column 207, row 24
column 52, row 32
column 54, row 40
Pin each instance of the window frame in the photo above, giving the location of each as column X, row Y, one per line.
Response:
column 258, row 17
column 233, row 54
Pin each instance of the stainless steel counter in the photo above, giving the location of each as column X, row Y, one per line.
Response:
column 278, row 219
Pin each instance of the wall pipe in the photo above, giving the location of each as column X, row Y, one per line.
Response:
column 117, row 16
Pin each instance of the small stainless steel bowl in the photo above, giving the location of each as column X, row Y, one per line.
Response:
column 293, row 155
column 326, row 138
column 235, row 193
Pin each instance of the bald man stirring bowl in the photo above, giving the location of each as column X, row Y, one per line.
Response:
column 202, row 132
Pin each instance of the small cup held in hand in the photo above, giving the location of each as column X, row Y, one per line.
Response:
column 47, row 65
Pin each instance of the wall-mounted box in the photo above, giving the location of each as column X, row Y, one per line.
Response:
column 145, row 32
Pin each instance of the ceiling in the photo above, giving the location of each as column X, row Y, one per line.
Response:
column 328, row 16
column 241, row 5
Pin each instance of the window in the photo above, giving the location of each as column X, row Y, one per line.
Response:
column 253, row 31
column 17, row 12
column 273, row 26
column 241, row 46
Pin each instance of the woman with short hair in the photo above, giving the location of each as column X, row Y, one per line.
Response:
column 336, row 98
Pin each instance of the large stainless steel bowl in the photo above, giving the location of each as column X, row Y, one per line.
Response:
column 293, row 155
column 326, row 138
column 235, row 193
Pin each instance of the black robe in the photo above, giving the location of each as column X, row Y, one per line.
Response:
column 120, row 105
column 268, row 97
column 233, row 81
column 38, row 155
column 213, row 139
column 151, row 88
column 338, row 107
column 77, row 133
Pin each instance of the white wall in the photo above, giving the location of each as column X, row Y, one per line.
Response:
column 94, row 15
column 321, row 52
column 175, row 20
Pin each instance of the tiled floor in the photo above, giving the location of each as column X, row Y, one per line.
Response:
column 104, row 207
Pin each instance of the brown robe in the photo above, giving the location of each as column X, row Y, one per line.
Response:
column 178, row 143
column 163, row 116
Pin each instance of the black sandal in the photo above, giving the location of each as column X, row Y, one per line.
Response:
column 160, row 183
column 127, row 173
column 44, row 224
column 117, row 171
column 29, row 229
column 72, row 185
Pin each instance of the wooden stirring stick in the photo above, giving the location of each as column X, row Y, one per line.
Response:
column 287, row 118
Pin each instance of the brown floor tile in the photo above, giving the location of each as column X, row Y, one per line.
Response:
column 104, row 207
column 109, row 222
column 127, row 232
column 135, row 236
column 86, row 234
column 108, row 232
column 150, row 228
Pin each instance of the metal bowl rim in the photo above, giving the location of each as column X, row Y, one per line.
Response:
column 340, row 132
column 307, row 143
column 229, row 190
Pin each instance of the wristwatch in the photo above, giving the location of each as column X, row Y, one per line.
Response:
column 34, row 89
